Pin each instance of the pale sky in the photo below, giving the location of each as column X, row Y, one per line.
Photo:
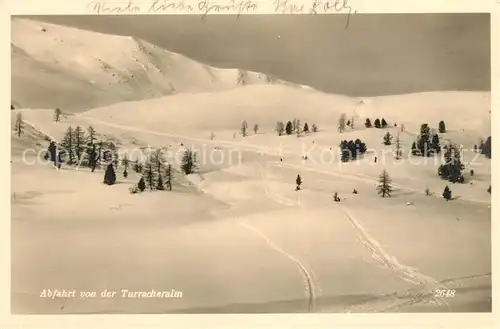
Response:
column 378, row 54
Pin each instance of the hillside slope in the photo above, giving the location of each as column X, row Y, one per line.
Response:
column 57, row 66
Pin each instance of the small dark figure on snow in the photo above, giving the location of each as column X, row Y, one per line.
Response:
column 472, row 172
column 375, row 160
column 281, row 159
column 182, row 144
column 336, row 197
column 355, row 191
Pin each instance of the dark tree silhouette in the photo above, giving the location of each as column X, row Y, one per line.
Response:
column 447, row 193
column 298, row 181
column 442, row 127
column 109, row 175
column 141, row 185
column 368, row 123
column 289, row 128
column 384, row 188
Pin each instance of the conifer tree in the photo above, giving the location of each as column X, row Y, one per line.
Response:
column 67, row 146
column 125, row 164
column 149, row 173
column 452, row 168
column 398, row 148
column 51, row 152
column 387, row 139
column 348, row 123
column 384, row 188
column 294, row 125
column 79, row 142
column 314, row 128
column 57, row 115
column 298, row 181
column 442, row 127
column 160, row 168
column 168, row 177
column 289, row 128
column 377, row 123
column 188, row 162
column 435, row 145
column 342, row 123
column 384, row 123
column 91, row 135
column 486, row 149
column 414, row 149
column 244, row 128
column 255, row 128
column 368, row 123
column 109, row 175
column 423, row 144
column 306, row 128
column 447, row 193
column 280, row 128
column 141, row 185
column 19, row 126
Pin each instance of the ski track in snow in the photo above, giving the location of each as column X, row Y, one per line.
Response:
column 308, row 279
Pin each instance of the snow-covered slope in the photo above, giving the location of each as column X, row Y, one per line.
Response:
column 57, row 66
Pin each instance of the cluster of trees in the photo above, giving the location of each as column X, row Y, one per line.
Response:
column 84, row 148
column 350, row 150
column 294, row 127
column 377, row 123
column 344, row 123
column 484, row 147
column 451, row 170
column 244, row 129
column 427, row 144
column 156, row 173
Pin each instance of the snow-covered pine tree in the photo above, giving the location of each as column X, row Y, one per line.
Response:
column 377, row 123
column 160, row 166
column 397, row 149
column 149, row 173
column 298, row 128
column 141, row 185
column 280, row 128
column 79, row 143
column 435, row 145
column 306, row 128
column 442, row 127
column 384, row 187
column 57, row 114
column 342, row 123
column 486, row 149
column 19, row 126
column 244, row 128
column 298, row 181
column 289, row 128
column 188, row 162
column 452, row 168
column 447, row 193
column 110, row 175
column 387, row 139
column 168, row 177
column 424, row 142
column 368, row 123
column 67, row 147
column 383, row 123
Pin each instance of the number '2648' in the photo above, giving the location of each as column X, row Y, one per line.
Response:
column 444, row 293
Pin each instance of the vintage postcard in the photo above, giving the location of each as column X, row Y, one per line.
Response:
column 202, row 158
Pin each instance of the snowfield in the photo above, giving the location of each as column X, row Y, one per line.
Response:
column 236, row 237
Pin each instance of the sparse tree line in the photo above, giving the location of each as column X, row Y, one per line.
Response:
column 294, row 127
column 377, row 123
column 89, row 150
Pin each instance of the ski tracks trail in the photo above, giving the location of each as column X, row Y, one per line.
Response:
column 426, row 284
